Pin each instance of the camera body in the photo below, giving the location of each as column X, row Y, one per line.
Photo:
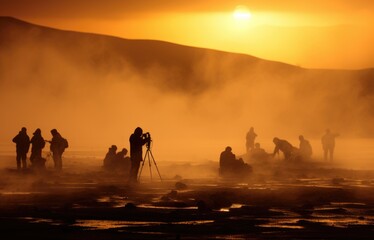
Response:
column 147, row 136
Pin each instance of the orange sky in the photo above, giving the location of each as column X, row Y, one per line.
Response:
column 314, row 34
column 319, row 34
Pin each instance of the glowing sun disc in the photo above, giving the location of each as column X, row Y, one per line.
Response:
column 241, row 13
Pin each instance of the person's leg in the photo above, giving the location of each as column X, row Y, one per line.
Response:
column 18, row 159
column 331, row 154
column 287, row 155
column 38, row 154
column 32, row 157
column 59, row 162
column 55, row 160
column 134, row 171
column 325, row 154
column 23, row 158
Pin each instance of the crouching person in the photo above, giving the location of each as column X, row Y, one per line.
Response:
column 230, row 167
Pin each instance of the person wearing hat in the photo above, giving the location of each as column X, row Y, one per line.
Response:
column 37, row 144
column 22, row 142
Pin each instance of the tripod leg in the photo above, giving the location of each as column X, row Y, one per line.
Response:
column 149, row 164
column 154, row 162
column 141, row 167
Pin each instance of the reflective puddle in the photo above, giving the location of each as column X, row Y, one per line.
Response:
column 111, row 224
column 336, row 214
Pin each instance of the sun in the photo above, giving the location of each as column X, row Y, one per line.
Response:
column 241, row 13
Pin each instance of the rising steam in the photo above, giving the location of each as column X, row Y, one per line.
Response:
column 97, row 97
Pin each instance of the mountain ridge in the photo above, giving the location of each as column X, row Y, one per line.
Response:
column 56, row 60
column 4, row 20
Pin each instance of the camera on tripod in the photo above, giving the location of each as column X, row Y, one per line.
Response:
column 147, row 136
column 148, row 156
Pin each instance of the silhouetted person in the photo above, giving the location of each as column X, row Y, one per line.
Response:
column 137, row 141
column 110, row 158
column 123, row 162
column 328, row 144
column 305, row 149
column 37, row 144
column 232, row 167
column 22, row 142
column 58, row 146
column 258, row 153
column 225, row 160
column 250, row 139
column 285, row 147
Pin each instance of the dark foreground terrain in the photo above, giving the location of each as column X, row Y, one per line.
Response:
column 293, row 202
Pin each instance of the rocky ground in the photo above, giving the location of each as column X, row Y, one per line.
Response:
column 280, row 202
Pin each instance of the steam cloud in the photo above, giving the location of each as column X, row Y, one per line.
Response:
column 97, row 99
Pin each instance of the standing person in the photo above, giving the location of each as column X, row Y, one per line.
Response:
column 250, row 140
column 328, row 144
column 38, row 143
column 137, row 140
column 22, row 142
column 58, row 146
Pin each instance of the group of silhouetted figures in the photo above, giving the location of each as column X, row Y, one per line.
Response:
column 113, row 161
column 58, row 144
column 117, row 161
column 231, row 166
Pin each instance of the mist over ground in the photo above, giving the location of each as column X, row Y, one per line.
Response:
column 96, row 90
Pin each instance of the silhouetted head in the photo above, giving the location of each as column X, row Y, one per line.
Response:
column 124, row 150
column 301, row 137
column 228, row 149
column 327, row 130
column 276, row 140
column 54, row 132
column 138, row 131
column 23, row 130
column 113, row 147
column 251, row 129
column 37, row 131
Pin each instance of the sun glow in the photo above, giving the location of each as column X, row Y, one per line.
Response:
column 241, row 13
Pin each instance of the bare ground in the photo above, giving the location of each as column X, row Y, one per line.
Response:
column 284, row 201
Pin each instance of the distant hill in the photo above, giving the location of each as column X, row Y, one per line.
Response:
column 37, row 55
column 106, row 53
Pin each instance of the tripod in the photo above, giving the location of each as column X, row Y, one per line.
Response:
column 149, row 156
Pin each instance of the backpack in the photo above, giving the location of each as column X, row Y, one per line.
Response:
column 65, row 143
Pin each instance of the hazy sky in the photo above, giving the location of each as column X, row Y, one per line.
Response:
column 312, row 34
column 315, row 34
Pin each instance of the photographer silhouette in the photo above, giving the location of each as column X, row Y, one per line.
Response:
column 149, row 156
column 137, row 140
